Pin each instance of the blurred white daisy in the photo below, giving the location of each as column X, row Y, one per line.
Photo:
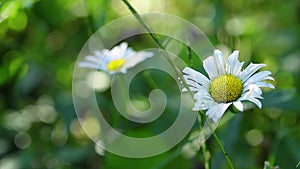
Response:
column 227, row 84
column 117, row 60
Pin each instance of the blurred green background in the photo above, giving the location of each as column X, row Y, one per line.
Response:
column 41, row 39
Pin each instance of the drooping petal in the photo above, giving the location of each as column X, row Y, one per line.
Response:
column 203, row 99
column 215, row 112
column 195, row 76
column 202, row 93
column 250, row 70
column 219, row 60
column 202, row 104
column 255, row 101
column 239, row 105
column 210, row 67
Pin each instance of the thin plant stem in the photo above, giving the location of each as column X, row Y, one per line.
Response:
column 146, row 26
column 89, row 20
column 149, row 80
column 225, row 154
column 205, row 152
column 159, row 44
column 223, row 150
column 153, row 36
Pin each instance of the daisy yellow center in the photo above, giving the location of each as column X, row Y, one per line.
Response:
column 115, row 64
column 226, row 88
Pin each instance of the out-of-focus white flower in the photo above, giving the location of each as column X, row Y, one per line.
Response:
column 117, row 60
column 227, row 84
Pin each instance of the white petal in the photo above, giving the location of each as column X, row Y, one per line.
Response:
column 122, row 71
column 118, row 52
column 210, row 67
column 232, row 58
column 129, row 52
column 192, row 83
column 196, row 76
column 107, row 58
column 250, row 70
column 92, row 59
column 253, row 91
column 215, row 112
column 260, row 76
column 253, row 94
column 253, row 88
column 123, row 47
column 102, row 66
column 233, row 65
column 269, row 78
column 100, row 54
column 88, row 65
column 255, row 101
column 219, row 60
column 193, row 89
column 265, row 84
column 135, row 59
column 202, row 93
column 236, row 71
column 239, row 105
column 203, row 99
column 202, row 104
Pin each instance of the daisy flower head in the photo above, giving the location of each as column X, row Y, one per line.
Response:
column 227, row 83
column 117, row 60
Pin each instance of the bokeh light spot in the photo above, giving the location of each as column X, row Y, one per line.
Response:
column 254, row 137
column 22, row 140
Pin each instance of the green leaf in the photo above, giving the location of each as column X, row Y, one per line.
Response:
column 9, row 9
column 18, row 22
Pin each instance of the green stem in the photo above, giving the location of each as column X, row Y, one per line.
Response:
column 225, row 154
column 159, row 44
column 89, row 21
column 146, row 26
column 153, row 36
column 223, row 150
column 206, row 156
column 205, row 152
column 149, row 80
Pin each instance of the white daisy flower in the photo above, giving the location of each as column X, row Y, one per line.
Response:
column 117, row 60
column 227, row 84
